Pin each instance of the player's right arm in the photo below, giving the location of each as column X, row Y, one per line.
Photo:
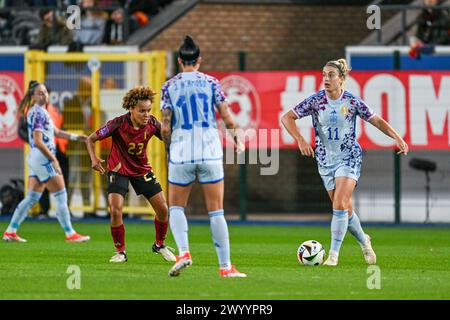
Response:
column 166, row 128
column 288, row 121
column 301, row 110
column 104, row 132
column 96, row 162
column 166, row 108
column 39, row 143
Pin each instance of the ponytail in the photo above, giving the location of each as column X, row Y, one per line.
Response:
column 341, row 65
column 189, row 51
column 26, row 100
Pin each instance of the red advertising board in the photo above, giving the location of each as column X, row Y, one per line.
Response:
column 11, row 92
column 416, row 104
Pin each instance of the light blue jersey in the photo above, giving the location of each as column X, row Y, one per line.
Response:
column 334, row 124
column 38, row 119
column 192, row 97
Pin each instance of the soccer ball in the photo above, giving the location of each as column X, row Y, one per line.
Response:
column 311, row 253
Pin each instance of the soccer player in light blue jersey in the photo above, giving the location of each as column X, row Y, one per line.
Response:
column 337, row 152
column 44, row 169
column 188, row 103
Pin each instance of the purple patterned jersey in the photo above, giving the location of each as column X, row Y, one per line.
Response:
column 334, row 124
column 38, row 119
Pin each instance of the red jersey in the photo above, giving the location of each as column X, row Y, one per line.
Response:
column 128, row 155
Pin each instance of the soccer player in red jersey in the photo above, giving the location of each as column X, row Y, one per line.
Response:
column 128, row 162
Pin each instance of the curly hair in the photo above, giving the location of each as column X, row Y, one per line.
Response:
column 137, row 94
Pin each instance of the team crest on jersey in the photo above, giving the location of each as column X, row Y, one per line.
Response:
column 10, row 94
column 344, row 110
column 103, row 131
column 333, row 117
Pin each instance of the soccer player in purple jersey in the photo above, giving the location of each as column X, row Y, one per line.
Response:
column 44, row 169
column 128, row 163
column 337, row 152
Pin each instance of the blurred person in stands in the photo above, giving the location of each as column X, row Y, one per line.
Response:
column 31, row 3
column 44, row 168
column 433, row 28
column 53, row 31
column 109, row 83
column 142, row 10
column 77, row 114
column 115, row 32
column 92, row 25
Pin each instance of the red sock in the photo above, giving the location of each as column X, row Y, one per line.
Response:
column 118, row 235
column 161, row 231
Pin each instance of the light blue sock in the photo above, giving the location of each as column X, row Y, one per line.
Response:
column 179, row 227
column 354, row 226
column 22, row 209
column 219, row 231
column 339, row 224
column 62, row 211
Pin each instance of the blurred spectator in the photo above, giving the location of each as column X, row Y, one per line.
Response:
column 109, row 83
column 163, row 3
column 149, row 7
column 433, row 28
column 45, row 3
column 92, row 24
column 25, row 27
column 77, row 113
column 105, row 3
column 115, row 27
column 18, row 3
column 53, row 31
column 142, row 10
column 66, row 3
column 6, row 19
column 433, row 25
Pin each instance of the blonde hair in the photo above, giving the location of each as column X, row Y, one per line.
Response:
column 341, row 65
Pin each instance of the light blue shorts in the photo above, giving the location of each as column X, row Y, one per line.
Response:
column 329, row 173
column 43, row 171
column 186, row 173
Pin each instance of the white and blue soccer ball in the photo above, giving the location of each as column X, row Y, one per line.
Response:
column 311, row 253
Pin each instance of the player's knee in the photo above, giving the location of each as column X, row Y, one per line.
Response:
column 33, row 197
column 162, row 213
column 116, row 212
column 341, row 204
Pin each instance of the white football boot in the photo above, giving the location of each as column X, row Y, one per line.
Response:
column 332, row 260
column 369, row 254
column 165, row 251
column 119, row 257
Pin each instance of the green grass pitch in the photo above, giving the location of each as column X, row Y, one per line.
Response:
column 413, row 264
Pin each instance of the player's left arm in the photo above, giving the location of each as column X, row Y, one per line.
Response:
column 157, row 125
column 69, row 136
column 166, row 127
column 387, row 129
column 231, row 125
